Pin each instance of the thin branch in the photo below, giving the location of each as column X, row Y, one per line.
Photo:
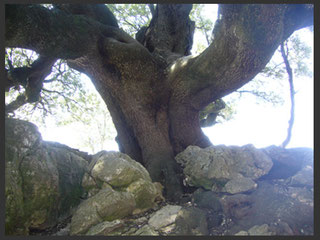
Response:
column 205, row 32
column 132, row 25
column 49, row 80
column 292, row 92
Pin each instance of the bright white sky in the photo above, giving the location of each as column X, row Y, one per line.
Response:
column 259, row 124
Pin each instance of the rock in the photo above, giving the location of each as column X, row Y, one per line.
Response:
column 270, row 203
column 105, row 228
column 164, row 217
column 242, row 233
column 301, row 194
column 146, row 230
column 106, row 205
column 239, row 184
column 177, row 220
column 145, row 193
column 71, row 168
column 63, row 232
column 159, row 198
column 42, row 179
column 211, row 203
column 262, row 230
column 123, row 183
column 236, row 206
column 122, row 173
column 191, row 221
column 128, row 227
column 303, row 178
column 89, row 185
column 287, row 162
column 214, row 167
column 284, row 229
column 117, row 169
column 281, row 228
column 207, row 199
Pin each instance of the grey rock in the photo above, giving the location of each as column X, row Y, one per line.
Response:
column 207, row 199
column 271, row 203
column 262, row 230
column 146, row 230
column 214, row 167
column 164, row 217
column 236, row 206
column 191, row 221
column 105, row 228
column 242, row 233
column 64, row 231
column 106, row 205
column 239, row 184
column 90, row 185
column 145, row 194
column 43, row 179
column 287, row 162
column 302, row 178
column 117, row 169
column 126, row 188
column 284, row 229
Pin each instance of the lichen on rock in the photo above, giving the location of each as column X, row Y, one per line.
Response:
column 43, row 180
column 224, row 169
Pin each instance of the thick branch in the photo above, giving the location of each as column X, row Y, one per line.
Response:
column 49, row 32
column 245, row 39
column 31, row 78
column 170, row 29
column 98, row 12
column 14, row 105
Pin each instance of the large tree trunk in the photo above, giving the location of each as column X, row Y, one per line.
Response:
column 138, row 99
column 152, row 90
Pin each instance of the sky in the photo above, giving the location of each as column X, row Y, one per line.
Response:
column 259, row 124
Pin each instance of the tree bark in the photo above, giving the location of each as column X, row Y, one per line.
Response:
column 152, row 88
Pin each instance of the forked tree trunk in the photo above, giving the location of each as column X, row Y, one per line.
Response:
column 152, row 126
column 152, row 90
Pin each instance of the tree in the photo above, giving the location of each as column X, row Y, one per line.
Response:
column 151, row 85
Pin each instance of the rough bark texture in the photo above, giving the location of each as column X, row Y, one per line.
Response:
column 153, row 90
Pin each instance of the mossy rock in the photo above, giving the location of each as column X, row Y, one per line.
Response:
column 106, row 205
column 42, row 181
column 117, row 169
column 145, row 193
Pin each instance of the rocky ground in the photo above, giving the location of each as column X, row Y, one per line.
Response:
column 54, row 190
column 275, row 208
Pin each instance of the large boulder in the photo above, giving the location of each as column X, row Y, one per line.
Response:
column 116, row 187
column 288, row 162
column 42, row 179
column 106, row 205
column 119, row 171
column 224, row 169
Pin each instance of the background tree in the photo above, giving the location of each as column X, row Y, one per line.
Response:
column 153, row 89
